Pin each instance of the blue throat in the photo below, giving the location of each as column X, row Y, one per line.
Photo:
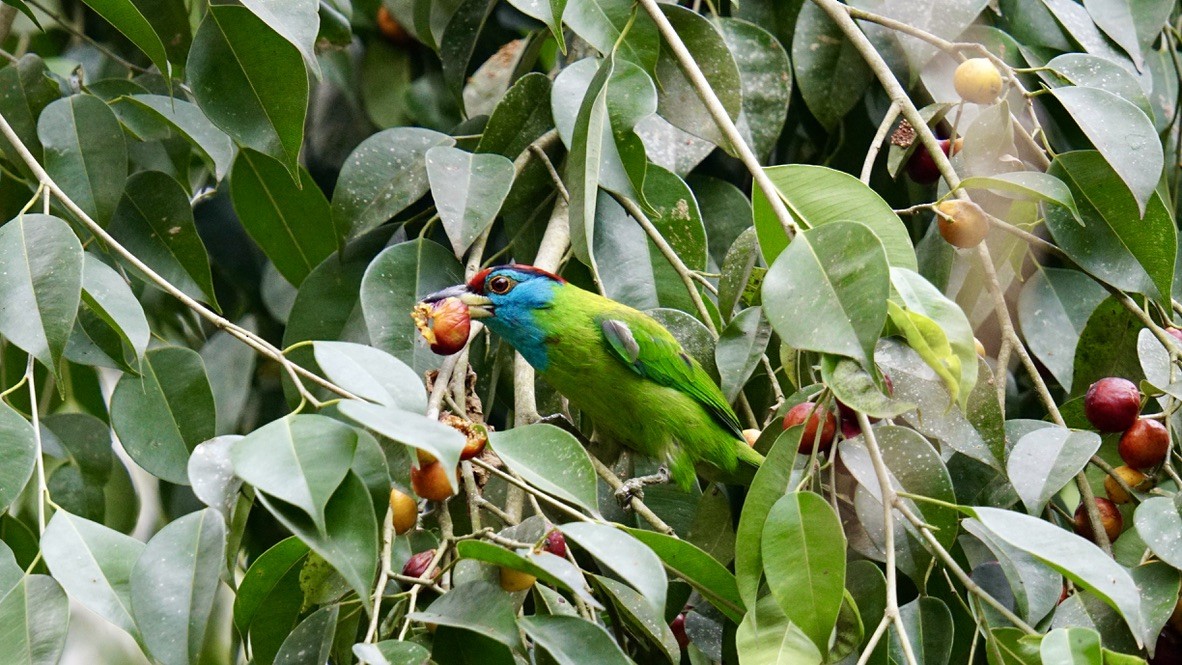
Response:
column 515, row 320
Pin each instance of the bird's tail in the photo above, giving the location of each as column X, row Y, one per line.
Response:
column 747, row 455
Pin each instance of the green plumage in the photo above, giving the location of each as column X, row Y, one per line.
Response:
column 626, row 372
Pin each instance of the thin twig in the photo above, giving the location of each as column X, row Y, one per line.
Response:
column 876, row 142
column 638, row 506
column 380, row 588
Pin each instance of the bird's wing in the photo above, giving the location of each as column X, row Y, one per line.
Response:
column 659, row 358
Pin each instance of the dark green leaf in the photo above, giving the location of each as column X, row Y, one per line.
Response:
column 827, row 291
column 548, row 12
column 547, row 567
column 130, row 19
column 571, row 640
column 459, row 40
column 292, row 224
column 269, row 597
column 154, row 221
column 601, row 23
column 740, row 346
column 1158, row 523
column 551, row 460
column 25, row 90
column 85, row 152
column 855, row 387
column 678, row 99
column 468, row 190
column 41, row 285
column 173, row 585
column 639, row 618
column 1026, row 185
column 311, row 641
column 929, row 631
column 163, row 413
column 1071, row 646
column 108, row 296
column 830, row 73
column 737, row 268
column 624, row 555
column 766, row 77
column 186, row 118
column 18, row 450
column 702, row 571
column 297, row 21
column 1107, row 347
column 480, row 607
column 250, row 82
column 771, row 482
column 1093, row 71
column 391, row 652
column 1053, row 309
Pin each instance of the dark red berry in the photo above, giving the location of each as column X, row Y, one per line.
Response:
column 1145, row 444
column 1110, row 518
column 678, row 628
column 416, row 566
column 1112, row 404
column 922, row 168
column 555, row 543
column 797, row 415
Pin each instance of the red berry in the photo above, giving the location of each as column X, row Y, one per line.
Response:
column 416, row 566
column 797, row 415
column 1110, row 518
column 1176, row 333
column 1145, row 444
column 678, row 628
column 849, row 418
column 444, row 324
column 850, row 428
column 922, row 168
column 555, row 543
column 1112, row 404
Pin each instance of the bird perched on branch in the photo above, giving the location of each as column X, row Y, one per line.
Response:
column 617, row 365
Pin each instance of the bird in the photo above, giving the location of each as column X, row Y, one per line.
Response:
column 619, row 366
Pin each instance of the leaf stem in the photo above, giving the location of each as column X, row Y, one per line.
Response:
column 876, row 142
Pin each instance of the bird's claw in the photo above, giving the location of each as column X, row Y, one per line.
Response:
column 633, row 488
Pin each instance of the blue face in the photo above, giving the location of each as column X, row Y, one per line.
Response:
column 515, row 296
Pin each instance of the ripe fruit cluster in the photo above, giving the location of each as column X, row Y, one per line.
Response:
column 445, row 324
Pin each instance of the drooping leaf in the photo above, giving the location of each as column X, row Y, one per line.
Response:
column 108, row 296
column 1158, row 522
column 391, row 652
column 1093, row 71
column 34, row 617
column 459, row 40
column 601, row 23
column 269, row 597
column 701, row 571
column 173, row 584
column 25, row 90
column 297, row 21
column 1107, row 347
column 85, row 152
column 828, row 290
column 765, row 75
column 942, row 18
column 740, row 346
column 411, row 429
column 187, row 119
column 929, row 631
column 572, row 640
column 548, row 12
column 162, row 414
column 372, row 374
column 829, row 71
column 129, row 19
column 468, row 190
column 1053, row 309
column 251, row 82
column 767, row 636
column 312, row 639
column 41, row 285
column 678, row 99
column 1045, row 460
column 772, row 481
column 920, row 297
column 551, row 460
column 480, row 607
column 1027, row 185
column 18, row 450
column 292, row 224
column 624, row 555
column 548, row 568
column 211, row 474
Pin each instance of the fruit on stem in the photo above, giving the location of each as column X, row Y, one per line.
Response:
column 416, row 566
column 921, row 166
column 1112, row 404
column 962, row 223
column 976, row 80
column 430, row 481
column 445, row 324
column 810, row 411
column 1145, row 444
column 555, row 543
column 405, row 511
column 1132, row 477
column 516, row 580
column 1110, row 518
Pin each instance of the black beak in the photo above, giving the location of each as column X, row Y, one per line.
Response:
column 479, row 307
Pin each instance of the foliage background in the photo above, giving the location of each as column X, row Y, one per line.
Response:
column 218, row 216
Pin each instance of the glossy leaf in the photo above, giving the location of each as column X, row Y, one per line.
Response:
column 920, row 297
column 1158, row 522
column 391, row 652
column 624, row 555
column 297, row 21
column 162, row 414
column 94, row 564
column 765, row 77
column 182, row 561
column 41, row 285
column 551, row 460
column 1107, row 347
column 154, row 221
column 269, row 597
column 771, row 482
column 548, row 12
column 186, row 118
column 942, row 18
column 571, row 640
column 548, row 568
column 34, row 617
column 804, row 560
column 678, row 99
column 767, row 636
column 586, row 154
column 740, row 346
column 211, row 474
column 480, row 607
column 1053, row 310
column 816, row 195
column 601, row 22
column 250, row 82
column 18, row 450
column 856, row 388
column 129, row 19
column 1028, row 185
column 25, row 90
column 292, row 224
column 1093, row 71
column 411, row 429
column 827, row 291
column 460, row 38
column 85, row 152
column 1071, row 645
column 929, row 631
column 829, row 71
column 109, row 297
column 468, row 190
column 1120, row 245
column 1045, row 460
column 312, row 639
column 371, row 374
column 700, row 570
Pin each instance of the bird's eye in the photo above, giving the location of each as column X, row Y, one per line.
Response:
column 500, row 284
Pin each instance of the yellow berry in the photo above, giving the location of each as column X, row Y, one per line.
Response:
column 962, row 223
column 976, row 80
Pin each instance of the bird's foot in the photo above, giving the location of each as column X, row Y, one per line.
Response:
column 633, row 488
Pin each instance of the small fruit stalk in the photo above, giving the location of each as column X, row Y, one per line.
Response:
column 962, row 223
column 445, row 324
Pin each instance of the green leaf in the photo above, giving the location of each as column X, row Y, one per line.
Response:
column 1011, row 646
column 1073, row 556
column 382, row 176
column 1053, row 310
column 855, row 387
column 740, row 346
column 1159, row 583
column 211, row 474
column 371, row 374
column 1158, row 523
column 41, row 285
column 1026, row 185
column 765, row 75
column 586, row 155
column 230, row 365
column 250, row 82
column 828, row 290
column 939, row 17
column 700, row 570
column 269, row 597
column 625, row 556
column 929, row 631
column 391, row 652
column 85, row 152
column 1115, row 18
column 173, row 585
column 1071, row 646
column 130, row 19
column 18, row 449
column 34, row 618
column 26, row 88
column 94, row 564
column 804, row 561
column 311, row 641
column 161, row 415
column 468, row 190
column 1045, row 460
column 547, row 567
column 459, row 41
column 920, row 297
column 1107, row 347
column 638, row 617
column 301, row 459
column 292, row 224
column 480, row 607
column 393, row 283
column 737, row 268
column 1120, row 246
column 571, row 640
column 817, row 195
column 548, row 12
column 1079, row 25
column 24, row 9
column 186, row 118
column 154, row 221
column 1035, row 587
column 108, row 295
column 622, row 244
column 1093, row 71
column 1123, row 134
column 297, row 21
column 767, row 636
column 678, row 98
column 771, row 482
column 551, row 460
column 830, row 73
column 601, row 22
column 350, row 544
column 412, row 429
